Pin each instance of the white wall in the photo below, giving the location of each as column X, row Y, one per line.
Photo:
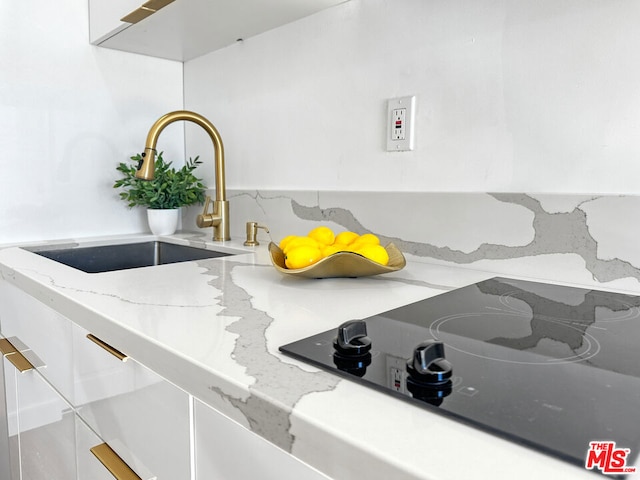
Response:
column 69, row 112
column 528, row 96
column 538, row 96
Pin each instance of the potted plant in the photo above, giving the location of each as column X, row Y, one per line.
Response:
column 163, row 196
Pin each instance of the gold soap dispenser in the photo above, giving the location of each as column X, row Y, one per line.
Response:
column 252, row 234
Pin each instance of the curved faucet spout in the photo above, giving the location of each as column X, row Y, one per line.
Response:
column 219, row 218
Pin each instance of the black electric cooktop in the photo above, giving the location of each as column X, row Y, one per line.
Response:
column 551, row 367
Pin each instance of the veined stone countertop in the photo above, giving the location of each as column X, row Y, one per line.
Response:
column 213, row 327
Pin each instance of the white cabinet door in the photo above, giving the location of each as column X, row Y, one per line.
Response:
column 227, row 450
column 41, row 428
column 141, row 416
column 186, row 29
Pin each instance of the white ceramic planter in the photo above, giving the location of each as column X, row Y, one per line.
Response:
column 163, row 222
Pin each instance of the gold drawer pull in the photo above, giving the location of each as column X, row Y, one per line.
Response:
column 113, row 351
column 6, row 347
column 21, row 363
column 12, row 354
column 112, row 462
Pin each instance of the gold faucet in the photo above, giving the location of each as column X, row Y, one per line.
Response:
column 219, row 218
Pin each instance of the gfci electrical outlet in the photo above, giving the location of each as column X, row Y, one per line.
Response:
column 400, row 123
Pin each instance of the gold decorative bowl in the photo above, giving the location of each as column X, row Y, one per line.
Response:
column 340, row 264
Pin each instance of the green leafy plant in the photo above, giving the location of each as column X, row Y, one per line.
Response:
column 170, row 188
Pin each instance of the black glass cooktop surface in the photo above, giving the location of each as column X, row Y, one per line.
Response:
column 548, row 366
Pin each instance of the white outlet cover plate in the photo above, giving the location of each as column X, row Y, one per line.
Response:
column 407, row 143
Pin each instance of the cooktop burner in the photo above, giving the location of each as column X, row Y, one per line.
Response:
column 548, row 366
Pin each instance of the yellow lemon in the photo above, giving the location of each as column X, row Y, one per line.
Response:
column 369, row 239
column 299, row 242
column 376, row 253
column 322, row 234
column 343, row 248
column 283, row 243
column 366, row 239
column 302, row 256
column 331, row 249
column 345, row 238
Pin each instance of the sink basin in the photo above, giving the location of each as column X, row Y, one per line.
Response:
column 108, row 258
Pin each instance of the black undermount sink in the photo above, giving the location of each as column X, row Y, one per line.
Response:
column 108, row 258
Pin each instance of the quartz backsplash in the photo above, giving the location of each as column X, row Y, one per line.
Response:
column 582, row 239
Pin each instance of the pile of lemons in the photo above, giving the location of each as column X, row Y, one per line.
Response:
column 320, row 242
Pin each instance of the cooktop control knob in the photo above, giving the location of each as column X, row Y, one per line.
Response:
column 428, row 365
column 352, row 339
column 354, row 365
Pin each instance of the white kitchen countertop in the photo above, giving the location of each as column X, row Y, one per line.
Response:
column 213, row 327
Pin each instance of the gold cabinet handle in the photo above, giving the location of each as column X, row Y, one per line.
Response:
column 12, row 354
column 112, row 462
column 113, row 351
column 6, row 347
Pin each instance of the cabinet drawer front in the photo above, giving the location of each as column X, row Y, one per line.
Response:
column 142, row 417
column 45, row 332
column 98, row 374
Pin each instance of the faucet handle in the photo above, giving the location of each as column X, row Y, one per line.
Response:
column 252, row 233
column 218, row 218
column 205, row 219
